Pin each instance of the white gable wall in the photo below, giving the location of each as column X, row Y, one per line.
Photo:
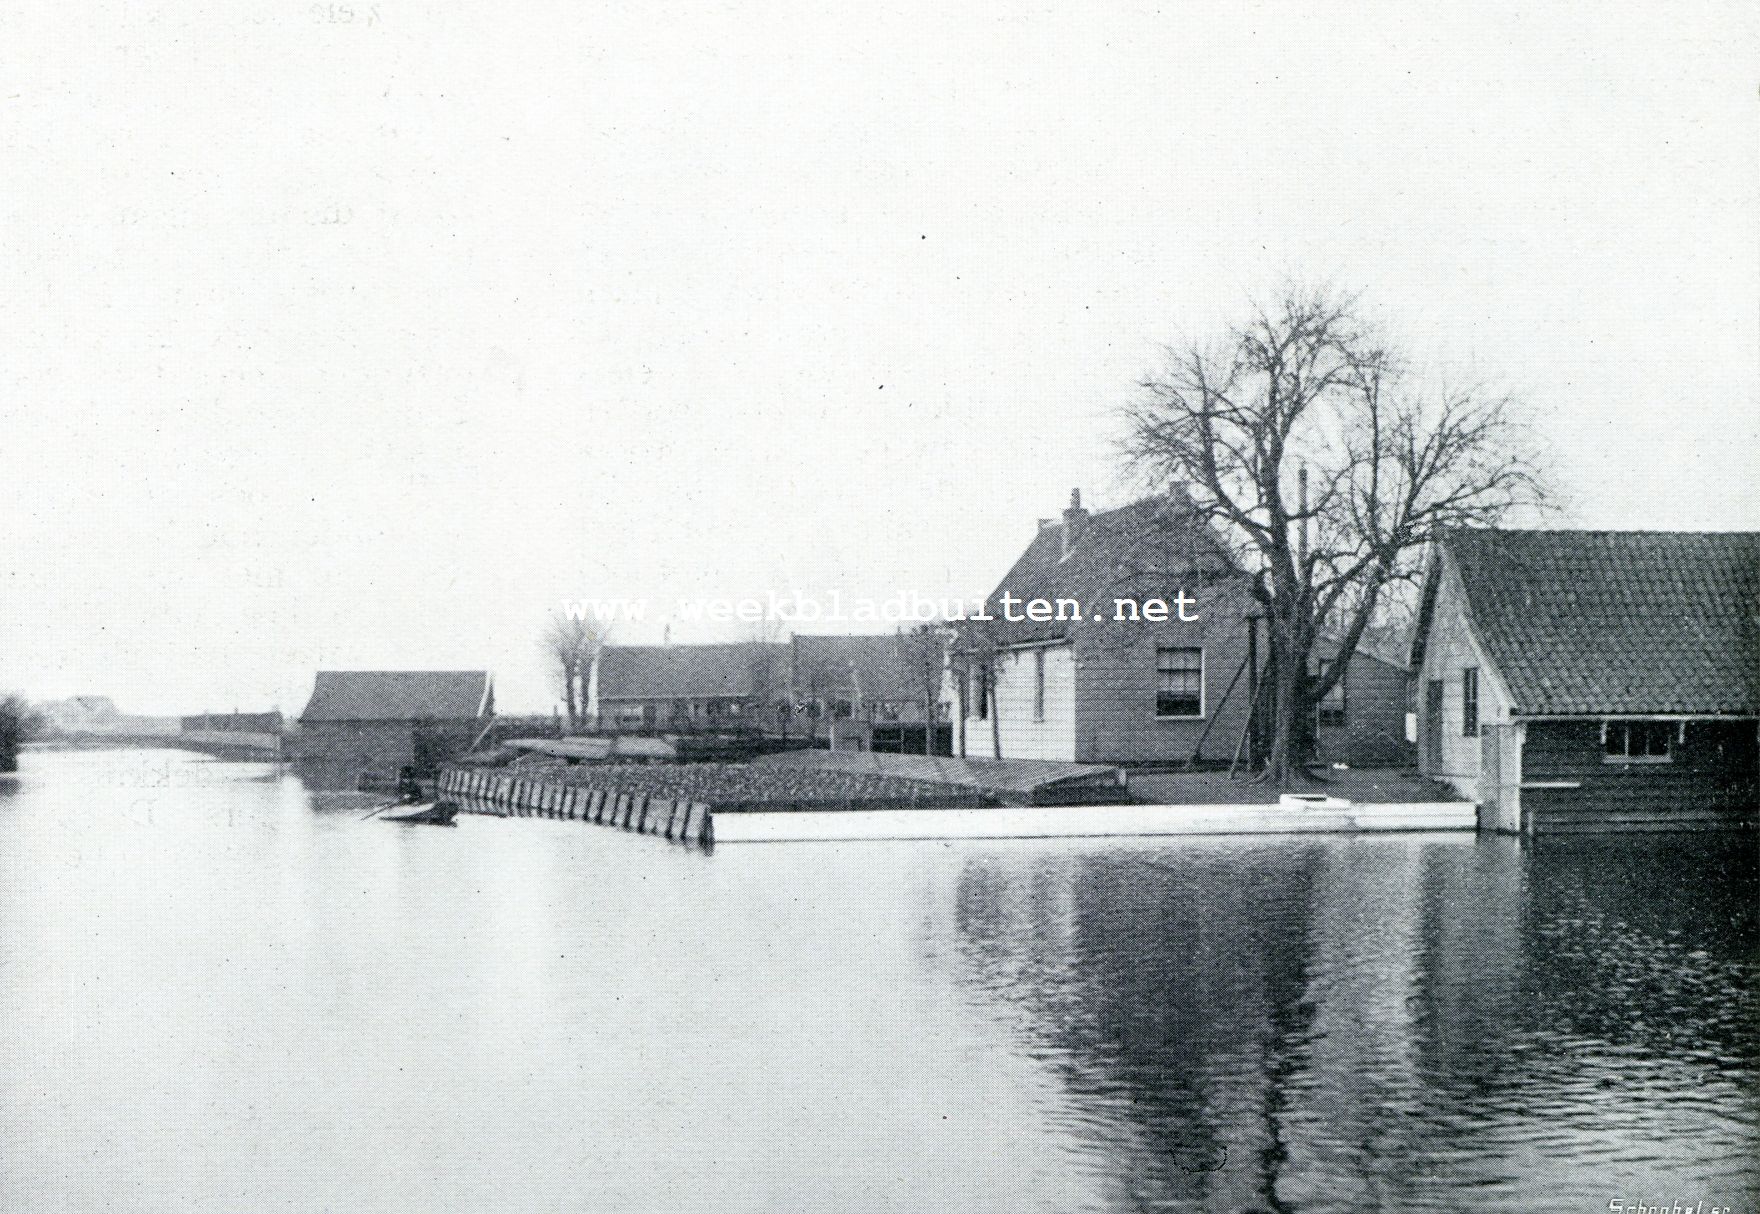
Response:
column 1023, row 737
column 1450, row 649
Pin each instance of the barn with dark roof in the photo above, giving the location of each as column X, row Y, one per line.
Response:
column 380, row 720
column 1593, row 680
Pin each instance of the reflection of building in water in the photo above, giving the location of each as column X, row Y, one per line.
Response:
column 1348, row 1117
column 1240, row 1027
column 1165, row 991
column 1379, row 1023
column 1473, row 959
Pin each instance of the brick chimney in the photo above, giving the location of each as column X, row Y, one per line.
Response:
column 1074, row 519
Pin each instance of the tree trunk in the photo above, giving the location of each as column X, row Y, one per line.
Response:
column 568, row 677
column 965, row 709
column 995, row 716
column 1284, row 762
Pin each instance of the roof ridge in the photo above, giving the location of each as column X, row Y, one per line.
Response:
column 1588, row 531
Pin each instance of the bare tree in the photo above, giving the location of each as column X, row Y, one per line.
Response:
column 1323, row 465
column 18, row 721
column 573, row 646
column 922, row 655
column 771, row 673
column 978, row 659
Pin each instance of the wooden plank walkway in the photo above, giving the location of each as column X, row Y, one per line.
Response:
column 1029, row 780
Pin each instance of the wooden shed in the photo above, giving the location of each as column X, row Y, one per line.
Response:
column 381, row 720
column 1593, row 680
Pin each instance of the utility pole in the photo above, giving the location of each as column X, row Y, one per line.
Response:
column 1302, row 541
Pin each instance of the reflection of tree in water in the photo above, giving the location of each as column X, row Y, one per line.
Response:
column 1163, row 992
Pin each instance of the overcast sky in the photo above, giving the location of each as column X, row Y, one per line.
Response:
column 361, row 336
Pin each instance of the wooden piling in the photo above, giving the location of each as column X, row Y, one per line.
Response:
column 506, row 794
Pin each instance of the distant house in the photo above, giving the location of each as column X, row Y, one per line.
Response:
column 1593, row 680
column 1113, row 674
column 683, row 687
column 79, row 714
column 380, row 720
column 233, row 722
column 1361, row 722
column 874, row 681
column 95, row 716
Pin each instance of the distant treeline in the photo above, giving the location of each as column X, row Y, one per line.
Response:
column 233, row 722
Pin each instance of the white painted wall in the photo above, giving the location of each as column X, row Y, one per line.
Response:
column 1023, row 737
column 1448, row 651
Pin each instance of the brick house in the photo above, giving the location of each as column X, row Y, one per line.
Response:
column 1593, row 680
column 873, row 681
column 1362, row 721
column 381, row 720
column 1108, row 678
column 683, row 687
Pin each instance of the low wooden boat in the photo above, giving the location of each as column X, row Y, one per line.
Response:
column 430, row 813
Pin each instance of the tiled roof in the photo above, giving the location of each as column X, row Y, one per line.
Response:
column 828, row 667
column 1594, row 622
column 685, row 672
column 1150, row 548
column 398, row 695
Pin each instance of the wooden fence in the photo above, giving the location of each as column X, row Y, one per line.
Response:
column 509, row 795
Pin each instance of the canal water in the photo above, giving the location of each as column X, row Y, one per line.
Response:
column 219, row 991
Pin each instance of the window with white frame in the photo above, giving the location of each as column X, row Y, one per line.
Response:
column 1639, row 741
column 1179, row 682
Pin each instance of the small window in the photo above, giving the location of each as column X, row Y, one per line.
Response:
column 1639, row 742
column 1179, row 682
column 1470, row 702
column 1038, row 684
